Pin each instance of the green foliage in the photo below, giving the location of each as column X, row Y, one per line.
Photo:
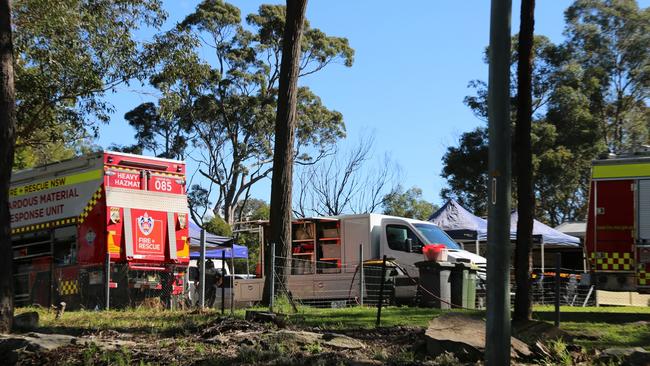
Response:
column 408, row 204
column 252, row 209
column 49, row 151
column 68, row 55
column 559, row 352
column 227, row 104
column 610, row 41
column 589, row 94
column 465, row 168
column 217, row 226
column 314, row 348
column 152, row 122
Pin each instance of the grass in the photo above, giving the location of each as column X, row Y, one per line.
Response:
column 365, row 317
column 137, row 321
column 592, row 327
column 602, row 327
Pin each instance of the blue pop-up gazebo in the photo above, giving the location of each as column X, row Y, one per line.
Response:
column 215, row 245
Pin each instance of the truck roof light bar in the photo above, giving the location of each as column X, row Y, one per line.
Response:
column 138, row 164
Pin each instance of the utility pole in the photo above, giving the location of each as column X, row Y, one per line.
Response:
column 497, row 349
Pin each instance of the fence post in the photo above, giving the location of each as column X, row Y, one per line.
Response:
column 202, row 271
column 558, row 265
column 361, row 284
column 272, row 300
column 223, row 281
column 108, row 280
column 381, row 291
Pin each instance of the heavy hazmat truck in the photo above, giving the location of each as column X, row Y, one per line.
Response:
column 618, row 224
column 106, row 220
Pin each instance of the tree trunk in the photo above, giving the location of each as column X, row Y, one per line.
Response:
column 280, row 220
column 526, row 198
column 7, row 142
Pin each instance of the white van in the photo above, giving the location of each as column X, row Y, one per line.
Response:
column 400, row 238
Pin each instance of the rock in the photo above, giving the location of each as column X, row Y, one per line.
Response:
column 300, row 337
column 365, row 362
column 28, row 320
column 464, row 336
column 635, row 356
column 620, row 352
column 638, row 358
column 266, row 317
column 344, row 342
column 328, row 339
column 34, row 341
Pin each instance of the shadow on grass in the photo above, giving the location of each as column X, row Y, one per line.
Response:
column 162, row 324
column 610, row 318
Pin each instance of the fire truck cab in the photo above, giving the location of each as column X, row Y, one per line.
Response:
column 618, row 223
column 106, row 221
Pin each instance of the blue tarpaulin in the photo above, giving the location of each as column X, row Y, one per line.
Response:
column 240, row 251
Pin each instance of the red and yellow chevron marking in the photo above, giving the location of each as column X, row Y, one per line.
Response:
column 90, row 205
column 612, row 261
column 643, row 278
column 68, row 287
column 45, row 225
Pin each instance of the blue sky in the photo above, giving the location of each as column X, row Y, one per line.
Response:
column 410, row 75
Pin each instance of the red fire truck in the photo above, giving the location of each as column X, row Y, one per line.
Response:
column 73, row 219
column 618, row 225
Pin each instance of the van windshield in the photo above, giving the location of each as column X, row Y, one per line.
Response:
column 434, row 235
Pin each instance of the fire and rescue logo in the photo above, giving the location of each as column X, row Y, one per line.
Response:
column 145, row 223
column 115, row 215
column 182, row 220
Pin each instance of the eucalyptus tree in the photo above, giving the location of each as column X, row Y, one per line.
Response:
column 283, row 153
column 68, row 56
column 7, row 141
column 232, row 102
column 610, row 41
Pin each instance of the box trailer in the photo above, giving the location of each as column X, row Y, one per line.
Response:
column 72, row 218
column 326, row 251
column 618, row 223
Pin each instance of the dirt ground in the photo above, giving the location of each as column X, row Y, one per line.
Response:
column 230, row 341
column 235, row 341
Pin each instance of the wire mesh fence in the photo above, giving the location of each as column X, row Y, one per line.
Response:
column 319, row 283
column 154, row 287
column 332, row 284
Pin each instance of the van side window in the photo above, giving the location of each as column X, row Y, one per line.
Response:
column 396, row 236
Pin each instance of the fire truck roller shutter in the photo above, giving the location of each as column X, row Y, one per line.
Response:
column 128, row 237
column 171, row 234
column 644, row 210
column 146, row 200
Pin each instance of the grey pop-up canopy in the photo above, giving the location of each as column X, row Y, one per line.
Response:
column 544, row 234
column 459, row 223
column 462, row 225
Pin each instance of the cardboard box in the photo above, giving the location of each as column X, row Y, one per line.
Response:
column 331, row 250
column 331, row 233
